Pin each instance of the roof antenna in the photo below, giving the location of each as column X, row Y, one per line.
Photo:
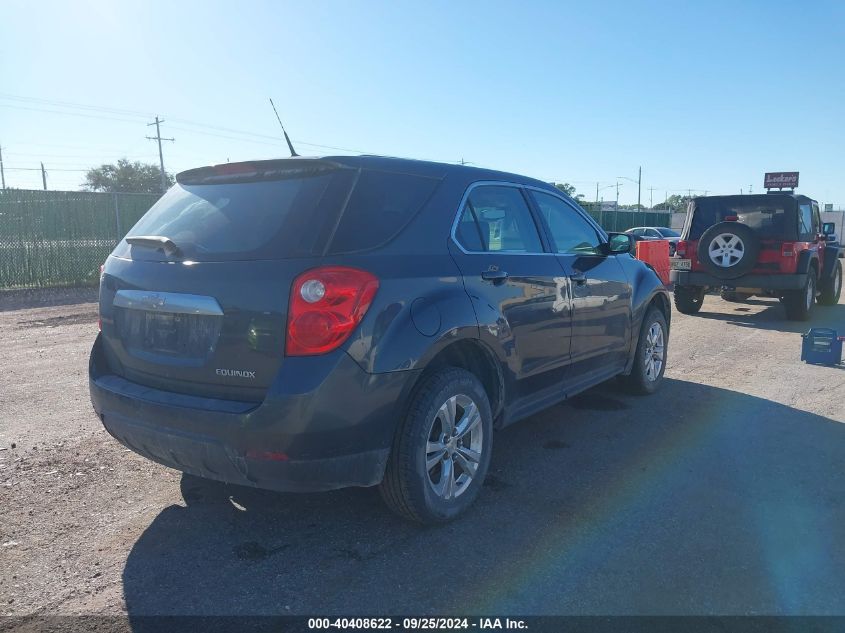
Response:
column 287, row 138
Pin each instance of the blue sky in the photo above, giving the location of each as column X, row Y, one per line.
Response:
column 705, row 96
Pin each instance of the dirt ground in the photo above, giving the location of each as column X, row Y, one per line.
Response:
column 723, row 494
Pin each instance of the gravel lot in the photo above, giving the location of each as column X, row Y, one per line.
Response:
column 722, row 495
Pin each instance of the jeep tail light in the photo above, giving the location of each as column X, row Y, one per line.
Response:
column 326, row 305
column 731, row 218
column 681, row 248
column 788, row 249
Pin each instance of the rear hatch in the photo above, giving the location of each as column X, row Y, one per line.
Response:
column 194, row 300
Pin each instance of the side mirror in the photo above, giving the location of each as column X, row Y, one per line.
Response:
column 620, row 243
column 828, row 228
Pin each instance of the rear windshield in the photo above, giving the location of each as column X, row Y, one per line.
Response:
column 770, row 216
column 666, row 232
column 348, row 209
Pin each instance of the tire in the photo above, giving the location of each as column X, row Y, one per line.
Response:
column 418, row 493
column 650, row 359
column 733, row 297
column 688, row 299
column 831, row 288
column 728, row 250
column 799, row 303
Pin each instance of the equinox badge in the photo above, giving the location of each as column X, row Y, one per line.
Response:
column 238, row 373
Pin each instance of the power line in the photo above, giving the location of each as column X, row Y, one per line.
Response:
column 158, row 138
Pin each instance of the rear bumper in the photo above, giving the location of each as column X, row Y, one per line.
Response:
column 331, row 430
column 765, row 282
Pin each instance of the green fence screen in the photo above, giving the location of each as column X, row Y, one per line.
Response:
column 60, row 238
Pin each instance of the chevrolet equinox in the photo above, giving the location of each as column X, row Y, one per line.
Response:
column 312, row 324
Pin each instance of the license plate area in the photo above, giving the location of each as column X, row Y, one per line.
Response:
column 156, row 336
column 680, row 264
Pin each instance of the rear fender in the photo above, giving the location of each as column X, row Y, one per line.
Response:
column 405, row 334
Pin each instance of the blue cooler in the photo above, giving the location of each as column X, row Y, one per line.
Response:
column 821, row 346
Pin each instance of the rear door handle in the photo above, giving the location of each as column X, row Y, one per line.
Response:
column 494, row 275
column 579, row 278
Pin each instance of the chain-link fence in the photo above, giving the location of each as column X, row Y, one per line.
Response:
column 60, row 238
column 621, row 220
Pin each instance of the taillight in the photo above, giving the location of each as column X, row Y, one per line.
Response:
column 326, row 305
column 787, row 250
column 681, row 248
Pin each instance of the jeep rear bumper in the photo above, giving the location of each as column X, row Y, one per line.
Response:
column 764, row 282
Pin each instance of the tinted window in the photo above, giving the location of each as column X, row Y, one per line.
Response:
column 665, row 232
column 496, row 219
column 246, row 220
column 771, row 216
column 636, row 231
column 571, row 233
column 652, row 233
column 381, row 204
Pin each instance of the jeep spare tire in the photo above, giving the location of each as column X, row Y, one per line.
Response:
column 728, row 249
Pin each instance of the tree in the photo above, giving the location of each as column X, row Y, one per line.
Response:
column 569, row 190
column 126, row 176
column 674, row 203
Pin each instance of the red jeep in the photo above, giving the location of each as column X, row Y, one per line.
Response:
column 769, row 244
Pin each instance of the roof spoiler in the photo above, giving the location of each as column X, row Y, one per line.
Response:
column 253, row 171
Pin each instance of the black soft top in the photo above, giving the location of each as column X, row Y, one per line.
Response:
column 774, row 215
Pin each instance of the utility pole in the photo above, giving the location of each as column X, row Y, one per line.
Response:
column 158, row 138
column 639, row 186
column 651, row 197
column 43, row 177
column 750, row 189
column 617, row 196
column 2, row 173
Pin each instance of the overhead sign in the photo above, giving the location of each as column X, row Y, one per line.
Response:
column 828, row 206
column 608, row 205
column 781, row 180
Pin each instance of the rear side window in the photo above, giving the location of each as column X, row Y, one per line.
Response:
column 497, row 219
column 381, row 204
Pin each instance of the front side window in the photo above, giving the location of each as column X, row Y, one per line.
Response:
column 572, row 234
column 496, row 218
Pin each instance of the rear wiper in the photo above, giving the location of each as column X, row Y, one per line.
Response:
column 157, row 242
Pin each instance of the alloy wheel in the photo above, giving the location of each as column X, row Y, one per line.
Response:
column 654, row 352
column 726, row 250
column 453, row 450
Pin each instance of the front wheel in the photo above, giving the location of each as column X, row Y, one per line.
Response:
column 650, row 360
column 441, row 454
column 689, row 299
column 831, row 288
column 799, row 303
